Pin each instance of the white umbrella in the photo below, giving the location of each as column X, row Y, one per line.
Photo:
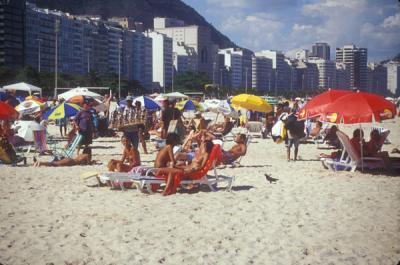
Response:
column 226, row 109
column 175, row 95
column 79, row 91
column 28, row 107
column 212, row 104
column 26, row 128
column 22, row 86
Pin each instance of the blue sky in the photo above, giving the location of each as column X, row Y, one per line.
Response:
column 290, row 25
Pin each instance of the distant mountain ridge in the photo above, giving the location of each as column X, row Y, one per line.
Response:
column 141, row 10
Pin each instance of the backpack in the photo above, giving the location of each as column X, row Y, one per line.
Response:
column 7, row 152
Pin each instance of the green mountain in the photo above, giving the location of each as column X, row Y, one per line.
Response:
column 141, row 10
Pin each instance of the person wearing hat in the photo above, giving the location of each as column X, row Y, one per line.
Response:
column 198, row 122
column 131, row 132
column 84, row 124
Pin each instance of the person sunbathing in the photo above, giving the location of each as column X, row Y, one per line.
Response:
column 238, row 150
column 165, row 156
column 223, row 128
column 130, row 155
column 198, row 162
column 357, row 141
column 83, row 159
column 316, row 130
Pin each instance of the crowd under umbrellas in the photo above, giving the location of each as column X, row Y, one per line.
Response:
column 140, row 119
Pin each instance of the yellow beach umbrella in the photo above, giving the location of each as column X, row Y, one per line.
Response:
column 62, row 111
column 251, row 102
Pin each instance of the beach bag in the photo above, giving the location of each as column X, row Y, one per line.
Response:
column 7, row 152
column 278, row 132
column 177, row 127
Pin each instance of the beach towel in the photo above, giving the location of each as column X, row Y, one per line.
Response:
column 278, row 132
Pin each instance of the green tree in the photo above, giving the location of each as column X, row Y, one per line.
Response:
column 28, row 75
column 191, row 81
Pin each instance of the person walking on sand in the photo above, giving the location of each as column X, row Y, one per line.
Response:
column 295, row 131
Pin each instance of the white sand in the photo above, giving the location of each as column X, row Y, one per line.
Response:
column 310, row 216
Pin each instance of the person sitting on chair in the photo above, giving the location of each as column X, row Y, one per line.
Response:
column 238, row 150
column 198, row 162
column 223, row 128
column 130, row 155
column 165, row 156
column 316, row 130
column 358, row 136
column 83, row 159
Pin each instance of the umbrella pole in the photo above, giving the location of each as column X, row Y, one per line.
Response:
column 361, row 145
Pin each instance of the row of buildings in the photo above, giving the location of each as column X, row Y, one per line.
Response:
column 54, row 41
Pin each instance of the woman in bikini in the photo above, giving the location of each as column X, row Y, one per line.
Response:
column 83, row 159
column 129, row 160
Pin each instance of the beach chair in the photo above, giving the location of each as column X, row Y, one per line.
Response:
column 70, row 149
column 148, row 182
column 255, row 128
column 39, row 138
column 350, row 160
column 381, row 131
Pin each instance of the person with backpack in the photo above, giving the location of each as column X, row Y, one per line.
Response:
column 295, row 131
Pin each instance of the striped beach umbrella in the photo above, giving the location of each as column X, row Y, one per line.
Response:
column 189, row 105
column 61, row 111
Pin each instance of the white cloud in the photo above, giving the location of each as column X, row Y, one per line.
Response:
column 392, row 21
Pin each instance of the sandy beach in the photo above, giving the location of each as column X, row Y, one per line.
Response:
column 310, row 216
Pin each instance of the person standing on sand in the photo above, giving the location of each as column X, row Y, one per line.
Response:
column 84, row 123
column 295, row 131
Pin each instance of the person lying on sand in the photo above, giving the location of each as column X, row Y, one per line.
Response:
column 130, row 155
column 198, row 162
column 83, row 159
column 238, row 150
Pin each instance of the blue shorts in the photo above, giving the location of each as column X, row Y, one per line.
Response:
column 190, row 156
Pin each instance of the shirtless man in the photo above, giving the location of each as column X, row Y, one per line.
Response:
column 130, row 155
column 198, row 162
column 238, row 150
column 165, row 156
column 83, row 159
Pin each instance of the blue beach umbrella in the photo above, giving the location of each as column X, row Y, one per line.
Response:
column 147, row 103
column 189, row 105
column 61, row 111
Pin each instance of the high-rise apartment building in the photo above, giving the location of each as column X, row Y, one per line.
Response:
column 356, row 62
column 12, row 20
column 321, row 50
column 233, row 60
column 280, row 75
column 162, row 59
column 302, row 55
column 342, row 76
column 393, row 78
column 326, row 72
column 377, row 78
column 261, row 74
column 196, row 37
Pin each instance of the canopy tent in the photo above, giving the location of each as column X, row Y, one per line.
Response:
column 79, row 91
column 23, row 87
column 175, row 95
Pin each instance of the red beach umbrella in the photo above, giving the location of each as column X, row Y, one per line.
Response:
column 315, row 107
column 359, row 107
column 7, row 112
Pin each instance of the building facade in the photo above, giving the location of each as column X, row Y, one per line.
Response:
column 280, row 75
column 342, row 76
column 326, row 73
column 321, row 50
column 261, row 74
column 197, row 38
column 162, row 59
column 12, row 41
column 355, row 59
column 393, row 78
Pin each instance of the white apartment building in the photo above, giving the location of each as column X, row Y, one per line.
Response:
column 303, row 55
column 184, row 58
column 196, row 37
column 355, row 59
column 326, row 72
column 393, row 78
column 233, row 61
column 261, row 74
column 162, row 59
